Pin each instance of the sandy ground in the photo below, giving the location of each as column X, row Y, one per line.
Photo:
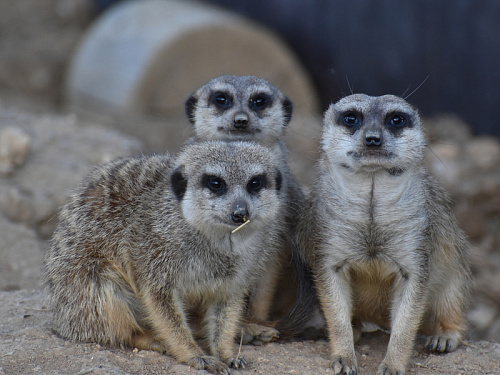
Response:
column 28, row 346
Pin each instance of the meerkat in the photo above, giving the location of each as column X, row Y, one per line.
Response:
column 239, row 108
column 380, row 235
column 146, row 245
column 250, row 108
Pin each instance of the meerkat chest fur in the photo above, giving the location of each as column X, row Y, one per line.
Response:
column 224, row 264
column 378, row 212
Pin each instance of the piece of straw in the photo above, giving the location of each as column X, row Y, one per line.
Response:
column 241, row 226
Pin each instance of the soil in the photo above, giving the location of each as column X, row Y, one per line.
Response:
column 28, row 346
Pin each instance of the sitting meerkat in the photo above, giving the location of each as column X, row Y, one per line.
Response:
column 380, row 236
column 249, row 108
column 148, row 245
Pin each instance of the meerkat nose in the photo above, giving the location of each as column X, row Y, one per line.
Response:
column 373, row 138
column 241, row 120
column 240, row 212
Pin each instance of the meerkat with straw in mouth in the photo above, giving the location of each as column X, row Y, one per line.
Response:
column 146, row 252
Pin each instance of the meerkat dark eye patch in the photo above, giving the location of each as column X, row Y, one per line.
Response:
column 351, row 120
column 260, row 101
column 396, row 120
column 178, row 183
column 190, row 108
column 279, row 180
column 221, row 100
column 215, row 184
column 256, row 184
column 287, row 110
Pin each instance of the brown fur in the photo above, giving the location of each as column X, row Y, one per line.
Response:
column 143, row 255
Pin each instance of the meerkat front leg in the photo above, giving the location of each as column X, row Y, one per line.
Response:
column 335, row 297
column 260, row 303
column 166, row 314
column 222, row 325
column 408, row 307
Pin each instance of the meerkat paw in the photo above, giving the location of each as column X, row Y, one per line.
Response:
column 239, row 362
column 384, row 369
column 257, row 335
column 445, row 342
column 344, row 366
column 210, row 364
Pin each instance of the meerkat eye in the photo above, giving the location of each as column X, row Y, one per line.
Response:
column 215, row 184
column 259, row 101
column 255, row 184
column 221, row 100
column 397, row 120
column 351, row 119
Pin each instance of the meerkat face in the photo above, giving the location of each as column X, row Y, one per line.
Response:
column 239, row 108
column 222, row 185
column 371, row 133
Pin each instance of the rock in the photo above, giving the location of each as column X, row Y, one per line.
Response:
column 51, row 35
column 445, row 162
column 21, row 256
column 62, row 150
column 447, row 128
column 14, row 145
column 482, row 315
column 484, row 152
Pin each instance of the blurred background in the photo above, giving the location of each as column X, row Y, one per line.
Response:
column 85, row 81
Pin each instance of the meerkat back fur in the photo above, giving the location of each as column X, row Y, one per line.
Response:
column 380, row 236
column 250, row 108
column 146, row 243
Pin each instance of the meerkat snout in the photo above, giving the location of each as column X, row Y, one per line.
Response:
column 240, row 120
column 240, row 211
column 373, row 138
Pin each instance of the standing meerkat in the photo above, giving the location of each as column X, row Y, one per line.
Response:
column 249, row 108
column 380, row 236
column 145, row 247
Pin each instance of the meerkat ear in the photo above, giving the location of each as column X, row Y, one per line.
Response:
column 190, row 107
column 279, row 179
column 287, row 109
column 178, row 183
